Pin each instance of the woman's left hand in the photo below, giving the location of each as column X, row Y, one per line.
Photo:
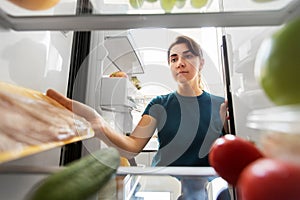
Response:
column 224, row 116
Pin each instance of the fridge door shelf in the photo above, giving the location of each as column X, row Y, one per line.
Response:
column 125, row 57
column 283, row 119
column 117, row 94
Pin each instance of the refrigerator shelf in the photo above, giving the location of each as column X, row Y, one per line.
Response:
column 275, row 13
column 30, row 150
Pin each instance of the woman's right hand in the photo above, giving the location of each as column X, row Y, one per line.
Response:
column 97, row 122
column 128, row 146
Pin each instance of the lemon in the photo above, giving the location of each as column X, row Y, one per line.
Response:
column 167, row 5
column 136, row 3
column 277, row 65
column 198, row 3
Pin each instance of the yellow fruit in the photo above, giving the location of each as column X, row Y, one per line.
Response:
column 136, row 3
column 118, row 74
column 277, row 65
column 180, row 3
column 167, row 5
column 35, row 4
column 198, row 3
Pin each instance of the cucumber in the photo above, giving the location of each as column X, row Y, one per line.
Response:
column 80, row 179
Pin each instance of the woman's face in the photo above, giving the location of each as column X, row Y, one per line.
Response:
column 184, row 65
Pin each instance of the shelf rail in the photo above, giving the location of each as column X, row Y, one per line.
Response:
column 130, row 21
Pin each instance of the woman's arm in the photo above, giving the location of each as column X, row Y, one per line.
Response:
column 128, row 146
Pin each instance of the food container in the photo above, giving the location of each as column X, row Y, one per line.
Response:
column 280, row 131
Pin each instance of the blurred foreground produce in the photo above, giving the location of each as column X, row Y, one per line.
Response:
column 35, row 4
column 168, row 5
column 230, row 154
column 180, row 3
column 198, row 3
column 81, row 178
column 136, row 3
column 278, row 65
column 269, row 179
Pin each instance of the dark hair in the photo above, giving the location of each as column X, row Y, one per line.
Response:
column 193, row 46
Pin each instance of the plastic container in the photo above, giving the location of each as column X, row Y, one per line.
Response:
column 280, row 131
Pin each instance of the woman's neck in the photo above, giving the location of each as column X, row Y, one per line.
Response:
column 189, row 90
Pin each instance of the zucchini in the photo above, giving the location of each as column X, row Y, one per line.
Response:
column 80, row 179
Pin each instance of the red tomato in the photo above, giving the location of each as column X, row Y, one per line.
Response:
column 230, row 154
column 268, row 178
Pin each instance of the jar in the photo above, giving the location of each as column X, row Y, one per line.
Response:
column 280, row 131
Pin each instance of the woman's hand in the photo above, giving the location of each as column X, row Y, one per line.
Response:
column 97, row 122
column 224, row 116
column 128, row 146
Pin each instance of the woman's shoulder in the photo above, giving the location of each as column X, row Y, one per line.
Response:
column 162, row 99
column 165, row 96
column 214, row 97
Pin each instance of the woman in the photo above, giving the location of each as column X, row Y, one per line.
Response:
column 188, row 120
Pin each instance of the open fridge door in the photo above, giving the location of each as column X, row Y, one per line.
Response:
column 228, row 95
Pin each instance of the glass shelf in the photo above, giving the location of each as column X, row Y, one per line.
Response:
column 132, row 182
column 118, row 14
column 125, row 58
column 102, row 7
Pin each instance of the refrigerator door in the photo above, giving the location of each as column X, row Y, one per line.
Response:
column 246, row 93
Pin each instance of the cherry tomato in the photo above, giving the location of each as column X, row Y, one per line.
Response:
column 268, row 178
column 230, row 154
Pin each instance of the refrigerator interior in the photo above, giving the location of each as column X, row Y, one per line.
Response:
column 109, row 96
column 36, row 48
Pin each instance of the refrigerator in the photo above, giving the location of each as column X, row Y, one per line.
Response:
column 75, row 45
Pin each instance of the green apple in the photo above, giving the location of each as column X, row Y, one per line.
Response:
column 136, row 3
column 151, row 1
column 167, row 5
column 180, row 3
column 277, row 65
column 198, row 3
